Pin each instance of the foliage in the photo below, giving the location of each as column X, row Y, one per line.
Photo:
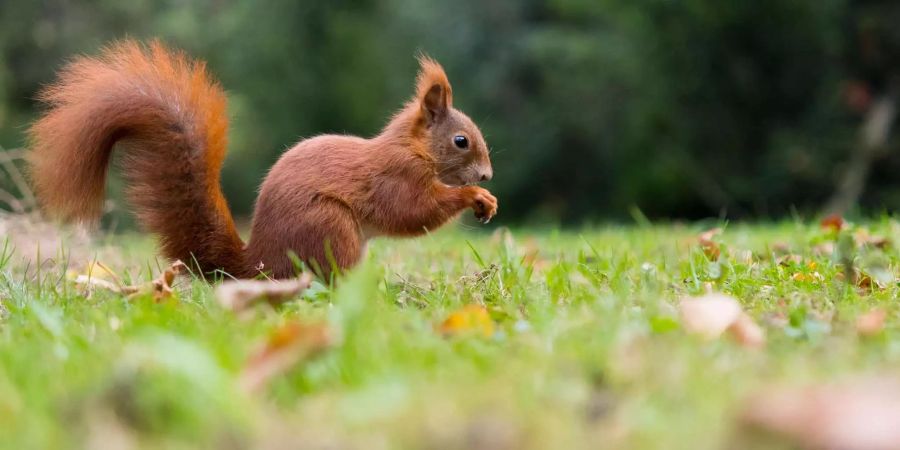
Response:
column 576, row 343
column 683, row 109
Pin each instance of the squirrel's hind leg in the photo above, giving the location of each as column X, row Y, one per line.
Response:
column 324, row 237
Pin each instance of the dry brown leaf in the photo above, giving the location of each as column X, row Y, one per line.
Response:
column 863, row 281
column 709, row 315
column 104, row 430
column 100, row 276
column 96, row 269
column 287, row 346
column 468, row 319
column 713, row 314
column 824, row 249
column 832, row 222
column 862, row 414
column 747, row 333
column 800, row 276
column 807, row 277
column 871, row 323
column 862, row 238
column 90, row 283
column 780, row 247
column 879, row 242
column 161, row 287
column 777, row 319
column 710, row 247
column 239, row 295
column 789, row 259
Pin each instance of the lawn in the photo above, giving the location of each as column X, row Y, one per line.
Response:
column 582, row 344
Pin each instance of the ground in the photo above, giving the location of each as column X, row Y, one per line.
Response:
column 581, row 346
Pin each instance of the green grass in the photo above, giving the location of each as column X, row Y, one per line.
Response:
column 588, row 351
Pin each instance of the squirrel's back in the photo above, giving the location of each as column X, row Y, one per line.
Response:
column 169, row 117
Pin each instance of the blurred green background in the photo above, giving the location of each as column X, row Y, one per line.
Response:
column 594, row 109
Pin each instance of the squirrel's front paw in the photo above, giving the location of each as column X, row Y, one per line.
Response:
column 484, row 204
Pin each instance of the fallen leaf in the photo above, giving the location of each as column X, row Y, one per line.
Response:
column 874, row 275
column 863, row 281
column 789, row 259
column 468, row 319
column 162, row 285
column 481, row 276
column 709, row 315
column 780, row 247
column 746, row 332
column 861, row 414
column 824, row 249
column 832, row 222
column 285, row 347
column 710, row 247
column 776, row 319
column 863, row 238
column 96, row 269
column 879, row 241
column 100, row 276
column 714, row 314
column 90, row 283
column 871, row 323
column 492, row 432
column 104, row 430
column 807, row 277
column 239, row 295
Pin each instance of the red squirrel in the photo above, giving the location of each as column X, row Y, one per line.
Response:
column 321, row 201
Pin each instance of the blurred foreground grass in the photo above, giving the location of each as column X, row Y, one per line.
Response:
column 585, row 351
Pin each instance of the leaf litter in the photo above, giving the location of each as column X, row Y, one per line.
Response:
column 858, row 414
column 715, row 314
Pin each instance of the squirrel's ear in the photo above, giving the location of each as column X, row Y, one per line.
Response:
column 433, row 89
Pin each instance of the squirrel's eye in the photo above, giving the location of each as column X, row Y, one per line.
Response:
column 461, row 141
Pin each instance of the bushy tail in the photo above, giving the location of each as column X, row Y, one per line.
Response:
column 169, row 117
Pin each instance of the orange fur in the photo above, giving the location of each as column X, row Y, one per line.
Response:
column 322, row 200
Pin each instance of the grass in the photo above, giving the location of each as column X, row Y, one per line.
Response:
column 587, row 351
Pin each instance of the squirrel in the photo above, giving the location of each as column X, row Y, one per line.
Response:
column 321, row 201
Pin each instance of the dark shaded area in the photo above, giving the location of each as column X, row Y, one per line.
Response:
column 683, row 109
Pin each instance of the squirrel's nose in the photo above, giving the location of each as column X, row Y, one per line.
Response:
column 486, row 174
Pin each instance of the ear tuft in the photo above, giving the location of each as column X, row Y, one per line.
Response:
column 433, row 90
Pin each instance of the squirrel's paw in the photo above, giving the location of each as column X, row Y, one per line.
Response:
column 485, row 205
